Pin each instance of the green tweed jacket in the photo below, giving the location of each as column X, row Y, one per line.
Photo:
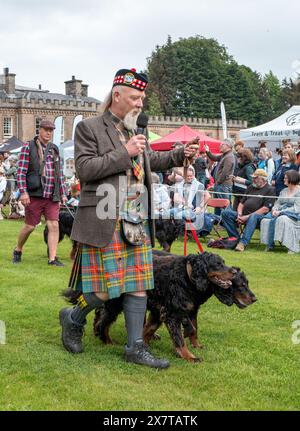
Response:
column 100, row 160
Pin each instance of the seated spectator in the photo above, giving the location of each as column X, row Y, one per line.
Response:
column 176, row 176
column 3, row 184
column 190, row 198
column 283, row 223
column 161, row 198
column 243, row 177
column 256, row 203
column 16, row 208
column 288, row 162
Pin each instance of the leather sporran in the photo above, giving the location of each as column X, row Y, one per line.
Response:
column 133, row 233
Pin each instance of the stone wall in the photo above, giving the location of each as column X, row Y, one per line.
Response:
column 210, row 126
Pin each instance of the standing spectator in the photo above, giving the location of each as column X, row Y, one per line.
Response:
column 201, row 168
column 266, row 162
column 288, row 162
column 287, row 144
column 298, row 157
column 223, row 171
column 243, row 177
column 239, row 146
column 11, row 176
column 5, row 162
column 41, row 184
column 3, row 184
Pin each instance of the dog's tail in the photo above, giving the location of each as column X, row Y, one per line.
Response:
column 71, row 295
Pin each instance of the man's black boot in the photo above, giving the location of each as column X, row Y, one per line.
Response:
column 140, row 354
column 17, row 256
column 72, row 332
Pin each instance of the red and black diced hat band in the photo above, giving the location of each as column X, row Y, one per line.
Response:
column 130, row 78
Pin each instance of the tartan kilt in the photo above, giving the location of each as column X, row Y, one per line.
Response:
column 115, row 269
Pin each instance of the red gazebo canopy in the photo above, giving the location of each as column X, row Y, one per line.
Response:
column 185, row 134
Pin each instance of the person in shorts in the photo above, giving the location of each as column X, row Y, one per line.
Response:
column 41, row 184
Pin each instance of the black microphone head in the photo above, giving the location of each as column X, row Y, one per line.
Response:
column 142, row 121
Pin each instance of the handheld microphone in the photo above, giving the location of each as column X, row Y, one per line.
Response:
column 142, row 123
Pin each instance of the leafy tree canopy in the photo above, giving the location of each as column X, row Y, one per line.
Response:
column 190, row 77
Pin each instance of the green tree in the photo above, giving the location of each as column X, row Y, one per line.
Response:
column 190, row 77
column 273, row 96
column 291, row 92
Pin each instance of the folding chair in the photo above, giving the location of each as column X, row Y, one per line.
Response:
column 217, row 203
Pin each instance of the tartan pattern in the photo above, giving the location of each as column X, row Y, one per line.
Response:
column 136, row 83
column 138, row 169
column 116, row 268
column 49, row 173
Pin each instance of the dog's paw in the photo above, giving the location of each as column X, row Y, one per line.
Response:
column 196, row 360
column 197, row 345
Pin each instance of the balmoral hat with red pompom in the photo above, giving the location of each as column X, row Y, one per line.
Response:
column 131, row 78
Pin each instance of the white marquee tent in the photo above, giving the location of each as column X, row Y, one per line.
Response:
column 287, row 126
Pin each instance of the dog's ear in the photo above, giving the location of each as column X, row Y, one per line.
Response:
column 190, row 262
column 189, row 270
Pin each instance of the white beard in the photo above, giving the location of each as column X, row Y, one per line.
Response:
column 130, row 119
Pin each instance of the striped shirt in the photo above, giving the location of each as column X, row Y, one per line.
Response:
column 49, row 173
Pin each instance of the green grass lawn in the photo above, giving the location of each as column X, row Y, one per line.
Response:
column 250, row 362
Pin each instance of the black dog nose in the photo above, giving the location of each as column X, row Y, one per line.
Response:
column 253, row 299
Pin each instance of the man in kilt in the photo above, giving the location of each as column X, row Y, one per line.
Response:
column 110, row 260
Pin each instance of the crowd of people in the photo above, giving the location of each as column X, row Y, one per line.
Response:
column 237, row 174
column 254, row 182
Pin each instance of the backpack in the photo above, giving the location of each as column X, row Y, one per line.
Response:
column 226, row 243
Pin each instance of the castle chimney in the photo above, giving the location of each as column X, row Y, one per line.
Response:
column 84, row 90
column 73, row 87
column 40, row 86
column 9, row 81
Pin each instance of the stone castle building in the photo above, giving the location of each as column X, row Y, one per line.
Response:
column 22, row 109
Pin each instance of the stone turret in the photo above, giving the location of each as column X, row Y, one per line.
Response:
column 74, row 87
column 9, row 81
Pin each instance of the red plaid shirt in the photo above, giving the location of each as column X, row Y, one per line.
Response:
column 49, row 173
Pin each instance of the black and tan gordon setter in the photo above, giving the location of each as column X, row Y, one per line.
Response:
column 167, row 231
column 182, row 285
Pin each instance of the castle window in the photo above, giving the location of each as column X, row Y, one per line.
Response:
column 7, row 127
column 37, row 125
column 62, row 132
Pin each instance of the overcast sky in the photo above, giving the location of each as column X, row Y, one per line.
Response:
column 46, row 42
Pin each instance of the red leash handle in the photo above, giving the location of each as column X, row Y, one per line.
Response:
column 192, row 229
